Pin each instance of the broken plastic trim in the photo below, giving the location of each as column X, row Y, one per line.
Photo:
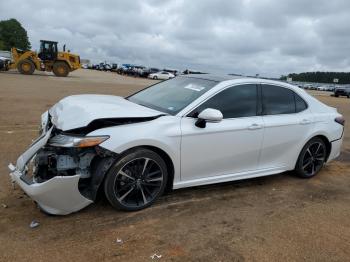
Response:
column 108, row 122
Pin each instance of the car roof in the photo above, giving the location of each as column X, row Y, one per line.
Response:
column 236, row 78
column 213, row 77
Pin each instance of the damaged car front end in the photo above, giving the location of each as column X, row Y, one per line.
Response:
column 63, row 169
column 56, row 170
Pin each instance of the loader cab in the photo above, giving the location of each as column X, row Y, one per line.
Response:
column 48, row 50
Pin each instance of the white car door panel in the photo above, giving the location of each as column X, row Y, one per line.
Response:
column 287, row 123
column 230, row 146
column 284, row 136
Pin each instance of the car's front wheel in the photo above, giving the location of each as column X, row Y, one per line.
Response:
column 136, row 180
column 311, row 158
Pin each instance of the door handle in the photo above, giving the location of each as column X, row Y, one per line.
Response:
column 305, row 122
column 254, row 127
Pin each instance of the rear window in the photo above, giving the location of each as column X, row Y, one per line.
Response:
column 300, row 104
column 279, row 100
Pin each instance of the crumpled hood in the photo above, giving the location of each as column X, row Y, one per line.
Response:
column 80, row 110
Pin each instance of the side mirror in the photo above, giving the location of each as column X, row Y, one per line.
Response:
column 208, row 115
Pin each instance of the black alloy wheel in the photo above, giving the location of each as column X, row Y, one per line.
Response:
column 136, row 180
column 311, row 158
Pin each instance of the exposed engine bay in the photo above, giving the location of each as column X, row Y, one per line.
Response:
column 90, row 164
column 50, row 162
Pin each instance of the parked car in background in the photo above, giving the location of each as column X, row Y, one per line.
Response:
column 329, row 88
column 321, row 88
column 95, row 67
column 108, row 67
column 161, row 75
column 175, row 72
column 138, row 70
column 342, row 91
column 307, row 86
column 123, row 68
column 131, row 70
column 4, row 63
column 104, row 67
column 193, row 72
column 147, row 71
column 114, row 67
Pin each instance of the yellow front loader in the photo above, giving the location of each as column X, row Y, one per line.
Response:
column 48, row 59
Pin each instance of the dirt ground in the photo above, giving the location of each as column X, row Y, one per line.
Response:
column 277, row 218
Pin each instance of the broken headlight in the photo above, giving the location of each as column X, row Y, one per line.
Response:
column 75, row 141
column 44, row 123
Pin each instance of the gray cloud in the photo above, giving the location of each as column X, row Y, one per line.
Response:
column 269, row 37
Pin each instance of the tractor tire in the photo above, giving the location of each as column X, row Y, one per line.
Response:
column 26, row 67
column 60, row 69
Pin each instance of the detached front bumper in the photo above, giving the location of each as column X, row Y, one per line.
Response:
column 59, row 195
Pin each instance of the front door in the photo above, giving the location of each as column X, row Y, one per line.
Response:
column 230, row 146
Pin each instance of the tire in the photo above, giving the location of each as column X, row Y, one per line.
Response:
column 311, row 159
column 155, row 77
column 26, row 67
column 336, row 95
column 60, row 69
column 136, row 180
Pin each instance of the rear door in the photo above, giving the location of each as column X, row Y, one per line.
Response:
column 228, row 147
column 287, row 122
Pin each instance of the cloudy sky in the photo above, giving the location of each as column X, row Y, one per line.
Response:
column 268, row 37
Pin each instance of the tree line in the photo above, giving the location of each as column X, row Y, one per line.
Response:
column 320, row 77
column 12, row 34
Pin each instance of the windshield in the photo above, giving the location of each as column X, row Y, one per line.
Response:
column 173, row 95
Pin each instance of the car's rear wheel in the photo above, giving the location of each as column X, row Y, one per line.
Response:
column 155, row 77
column 136, row 180
column 311, row 158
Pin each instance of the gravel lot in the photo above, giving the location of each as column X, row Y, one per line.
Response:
column 277, row 218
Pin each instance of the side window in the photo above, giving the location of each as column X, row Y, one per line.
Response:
column 277, row 100
column 233, row 102
column 300, row 104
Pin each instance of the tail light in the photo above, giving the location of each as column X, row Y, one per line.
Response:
column 340, row 120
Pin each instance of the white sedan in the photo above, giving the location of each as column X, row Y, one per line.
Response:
column 321, row 88
column 188, row 131
column 161, row 75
